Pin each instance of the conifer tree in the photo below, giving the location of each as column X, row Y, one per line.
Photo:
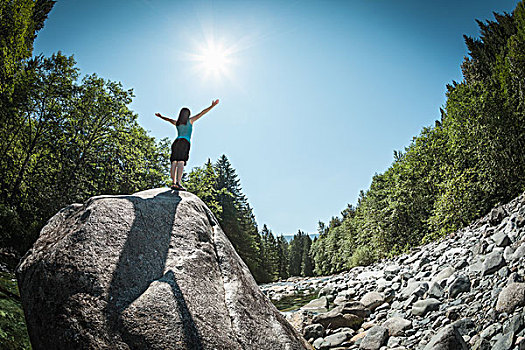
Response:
column 282, row 253
column 296, row 254
column 237, row 219
column 271, row 254
column 307, row 267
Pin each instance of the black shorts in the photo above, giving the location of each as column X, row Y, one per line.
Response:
column 180, row 150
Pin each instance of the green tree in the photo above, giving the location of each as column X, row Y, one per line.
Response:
column 20, row 21
column 270, row 254
column 282, row 253
column 70, row 140
column 300, row 260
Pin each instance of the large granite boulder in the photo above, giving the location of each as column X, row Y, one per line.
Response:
column 151, row 270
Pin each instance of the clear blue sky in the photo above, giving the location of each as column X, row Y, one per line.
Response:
column 315, row 96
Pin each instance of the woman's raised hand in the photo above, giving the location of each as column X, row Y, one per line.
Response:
column 158, row 115
column 213, row 103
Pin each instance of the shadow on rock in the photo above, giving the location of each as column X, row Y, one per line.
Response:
column 142, row 261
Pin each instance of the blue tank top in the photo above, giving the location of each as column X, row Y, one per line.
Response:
column 184, row 131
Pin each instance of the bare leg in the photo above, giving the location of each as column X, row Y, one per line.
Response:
column 179, row 171
column 172, row 170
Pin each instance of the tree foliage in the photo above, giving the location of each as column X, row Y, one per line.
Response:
column 453, row 171
column 66, row 141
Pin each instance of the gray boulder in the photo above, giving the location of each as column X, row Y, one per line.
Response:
column 421, row 307
column 519, row 252
column 493, row 262
column 334, row 340
column 315, row 331
column 415, row 287
column 317, row 305
column 435, row 290
column 372, row 300
column 152, row 270
column 505, row 342
column 501, row 239
column 510, row 297
column 496, row 215
column 396, row 326
column 374, row 339
column 443, row 274
column 342, row 316
column 356, row 308
column 447, row 338
column 460, row 284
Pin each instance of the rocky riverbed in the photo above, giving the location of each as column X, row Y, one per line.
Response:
column 465, row 291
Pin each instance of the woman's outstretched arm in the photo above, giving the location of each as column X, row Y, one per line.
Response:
column 166, row 118
column 204, row 111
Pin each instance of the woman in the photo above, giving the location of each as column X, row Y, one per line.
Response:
column 180, row 149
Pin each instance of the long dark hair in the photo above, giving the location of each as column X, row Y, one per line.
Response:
column 184, row 115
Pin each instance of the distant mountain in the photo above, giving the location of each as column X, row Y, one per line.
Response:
column 290, row 236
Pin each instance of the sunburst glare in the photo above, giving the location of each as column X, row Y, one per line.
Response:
column 213, row 60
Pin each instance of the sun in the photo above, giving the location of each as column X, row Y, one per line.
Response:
column 213, row 60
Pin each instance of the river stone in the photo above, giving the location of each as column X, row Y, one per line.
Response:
column 501, row 239
column 152, row 270
column 447, row 338
column 341, row 298
column 315, row 331
column 493, row 262
column 496, row 215
column 508, row 253
column 412, row 287
column 519, row 252
column 435, row 290
column 318, row 343
column 480, row 344
column 504, row 342
column 356, row 308
column 372, row 300
column 510, row 297
column 336, row 339
column 375, row 337
column 397, row 325
column 476, row 266
column 421, row 307
column 326, row 290
column 443, row 274
column 460, row 284
column 514, row 324
column 392, row 269
column 335, row 318
column 317, row 305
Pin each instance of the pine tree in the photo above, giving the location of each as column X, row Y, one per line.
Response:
column 296, row 254
column 307, row 268
column 271, row 254
column 282, row 253
column 237, row 219
column 202, row 181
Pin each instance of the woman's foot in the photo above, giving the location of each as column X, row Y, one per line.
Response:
column 179, row 187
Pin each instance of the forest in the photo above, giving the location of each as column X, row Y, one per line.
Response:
column 453, row 172
column 65, row 137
